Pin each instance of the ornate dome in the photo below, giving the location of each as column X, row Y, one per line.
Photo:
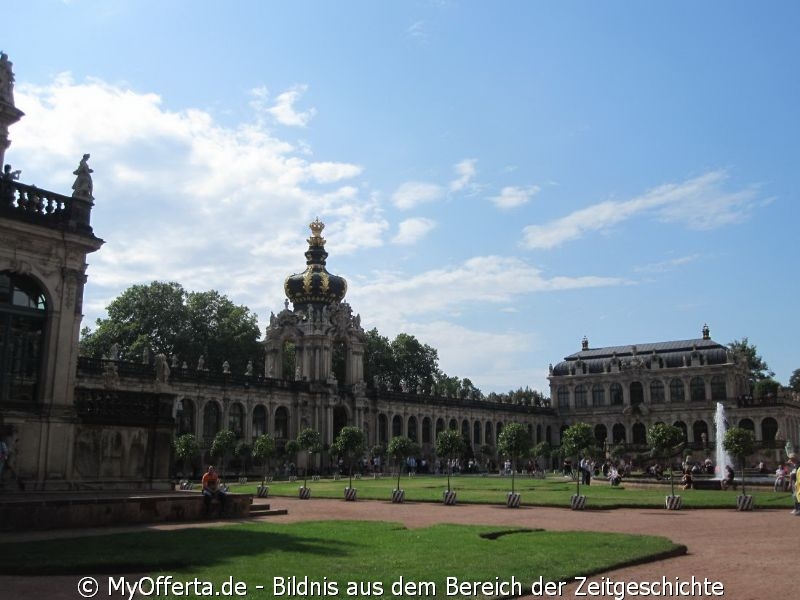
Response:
column 315, row 285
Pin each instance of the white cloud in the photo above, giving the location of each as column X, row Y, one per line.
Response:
column 412, row 193
column 179, row 196
column 486, row 280
column 668, row 265
column 466, row 173
column 411, row 231
column 284, row 112
column 418, row 31
column 698, row 203
column 511, row 197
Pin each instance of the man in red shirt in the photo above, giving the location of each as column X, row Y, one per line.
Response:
column 212, row 489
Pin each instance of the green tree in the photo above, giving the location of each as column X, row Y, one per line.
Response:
column 578, row 441
column 378, row 359
column 224, row 443
column 291, row 449
column 746, row 352
column 186, row 448
column 765, row 388
column 400, row 448
column 414, row 363
column 543, row 450
column 264, row 450
column 739, row 443
column 794, row 381
column 449, row 445
column 311, row 441
column 349, row 444
column 166, row 319
column 665, row 442
column 513, row 442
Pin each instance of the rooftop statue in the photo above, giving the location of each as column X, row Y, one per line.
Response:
column 6, row 79
column 83, row 186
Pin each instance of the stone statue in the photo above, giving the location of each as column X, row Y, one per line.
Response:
column 174, row 364
column 226, row 368
column 146, row 355
column 9, row 175
column 201, row 363
column 6, row 79
column 113, row 352
column 249, row 370
column 83, row 186
column 162, row 368
column 110, row 376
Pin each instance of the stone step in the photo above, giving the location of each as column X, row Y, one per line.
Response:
column 267, row 512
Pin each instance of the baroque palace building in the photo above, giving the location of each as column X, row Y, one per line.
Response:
column 98, row 423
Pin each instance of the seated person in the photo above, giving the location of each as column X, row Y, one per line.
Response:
column 212, row 489
column 613, row 476
column 687, row 480
column 728, row 481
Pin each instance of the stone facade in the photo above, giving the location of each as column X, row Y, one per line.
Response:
column 623, row 390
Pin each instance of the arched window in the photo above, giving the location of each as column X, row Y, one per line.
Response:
column 697, row 387
column 719, row 391
column 259, row 420
column 211, row 420
column 562, row 395
column 397, row 426
column 383, row 429
column 657, row 391
column 453, row 424
column 677, row 392
column 636, row 391
column 465, row 429
column 476, row 432
column 700, row 431
column 439, row 426
column 412, row 428
column 488, row 433
column 549, row 435
column 682, row 426
column 22, row 328
column 616, row 393
column 186, row 417
column 282, row 423
column 747, row 424
column 580, row 396
column 538, row 433
column 618, row 433
column 236, row 419
column 426, row 430
column 498, row 430
column 769, row 429
column 639, row 433
column 598, row 395
column 600, row 434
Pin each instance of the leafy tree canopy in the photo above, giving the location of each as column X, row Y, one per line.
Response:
column 664, row 440
column 514, row 441
column 164, row 318
column 310, row 440
column 766, row 387
column 794, row 381
column 186, row 446
column 264, row 447
column 744, row 351
column 578, row 439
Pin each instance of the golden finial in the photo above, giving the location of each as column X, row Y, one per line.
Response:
column 316, row 238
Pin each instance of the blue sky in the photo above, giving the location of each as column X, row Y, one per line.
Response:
column 498, row 179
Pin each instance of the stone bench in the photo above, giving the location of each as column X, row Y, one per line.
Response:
column 60, row 510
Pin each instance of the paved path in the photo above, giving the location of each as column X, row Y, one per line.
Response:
column 754, row 555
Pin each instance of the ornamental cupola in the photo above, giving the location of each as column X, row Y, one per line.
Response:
column 315, row 286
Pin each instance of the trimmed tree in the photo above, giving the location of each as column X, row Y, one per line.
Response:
column 263, row 450
column 400, row 448
column 665, row 442
column 349, row 444
column 291, row 449
column 739, row 443
column 577, row 440
column 449, row 445
column 514, row 442
column 311, row 441
column 223, row 444
column 186, row 448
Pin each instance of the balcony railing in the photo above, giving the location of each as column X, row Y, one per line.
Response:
column 28, row 203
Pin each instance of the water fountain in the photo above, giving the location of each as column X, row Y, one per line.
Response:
column 722, row 458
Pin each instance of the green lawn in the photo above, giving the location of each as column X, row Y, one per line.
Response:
column 365, row 553
column 553, row 491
